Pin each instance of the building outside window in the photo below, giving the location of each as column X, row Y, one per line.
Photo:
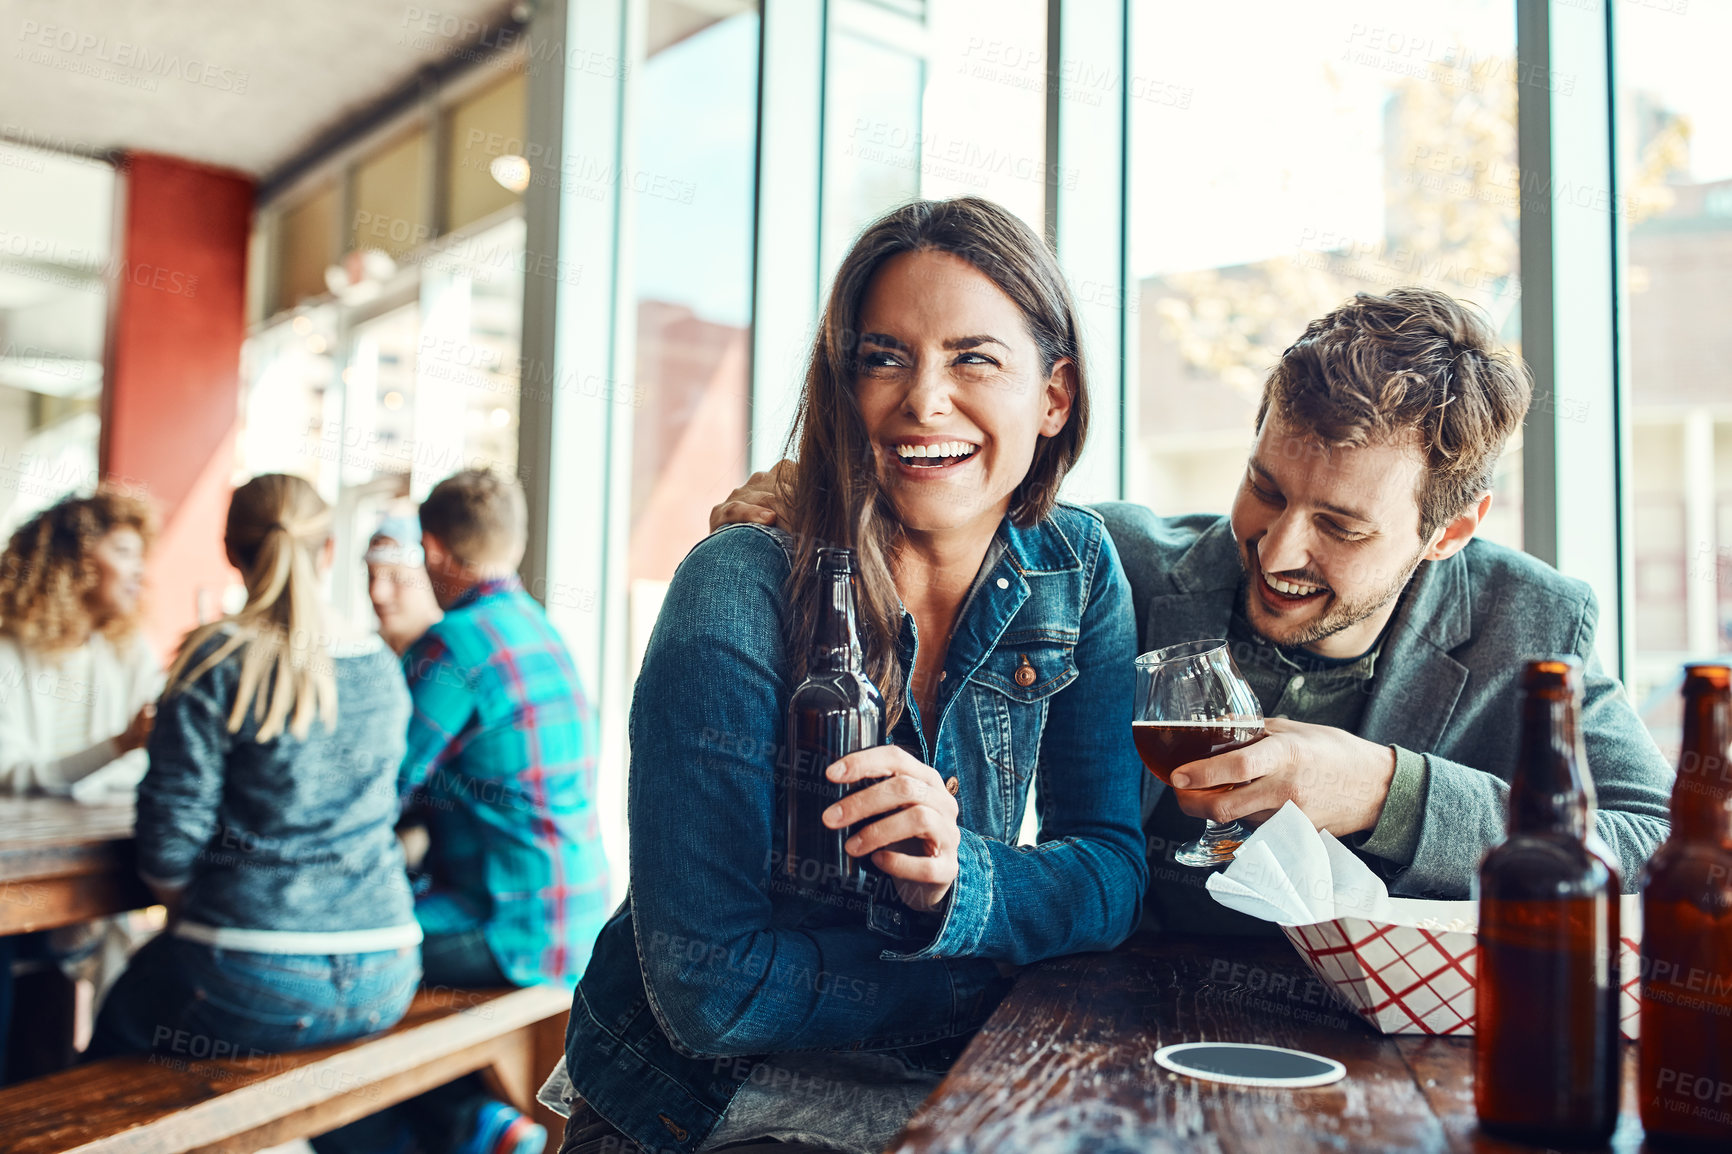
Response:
column 1348, row 146
column 1675, row 176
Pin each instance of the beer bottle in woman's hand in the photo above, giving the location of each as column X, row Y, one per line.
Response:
column 1546, row 1021
column 835, row 711
column 1685, row 1085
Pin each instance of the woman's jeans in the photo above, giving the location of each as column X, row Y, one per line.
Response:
column 441, row 1118
column 188, row 1000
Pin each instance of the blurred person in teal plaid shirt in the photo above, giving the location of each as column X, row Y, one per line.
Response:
column 501, row 768
column 501, row 757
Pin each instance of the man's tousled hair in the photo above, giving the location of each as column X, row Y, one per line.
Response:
column 1414, row 361
column 480, row 516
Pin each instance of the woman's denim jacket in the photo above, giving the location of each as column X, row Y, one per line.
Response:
column 711, row 962
column 291, row 834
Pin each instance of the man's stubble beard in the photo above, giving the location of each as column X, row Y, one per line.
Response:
column 1339, row 616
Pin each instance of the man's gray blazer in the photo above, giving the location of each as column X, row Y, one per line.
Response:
column 1447, row 684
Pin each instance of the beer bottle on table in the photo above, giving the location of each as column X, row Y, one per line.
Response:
column 835, row 711
column 1685, row 1079
column 1547, row 1062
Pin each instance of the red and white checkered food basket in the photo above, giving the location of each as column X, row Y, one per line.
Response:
column 1416, row 974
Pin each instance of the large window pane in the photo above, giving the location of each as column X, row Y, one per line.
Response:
column 377, row 431
column 986, row 83
column 950, row 105
column 292, row 421
column 306, row 239
column 690, row 186
column 376, row 407
column 483, row 128
column 391, row 209
column 1284, row 156
column 476, row 351
column 291, row 417
column 1675, row 176
column 872, row 144
column 56, row 262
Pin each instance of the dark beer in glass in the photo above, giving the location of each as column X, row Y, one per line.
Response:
column 835, row 711
column 1192, row 703
column 1546, row 1029
column 1165, row 746
column 1685, row 1079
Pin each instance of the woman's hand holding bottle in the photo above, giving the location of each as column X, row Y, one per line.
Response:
column 915, row 836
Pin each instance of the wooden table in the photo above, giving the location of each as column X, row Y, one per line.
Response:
column 63, row 862
column 1067, row 1064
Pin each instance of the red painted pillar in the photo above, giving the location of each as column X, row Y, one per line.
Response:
column 171, row 402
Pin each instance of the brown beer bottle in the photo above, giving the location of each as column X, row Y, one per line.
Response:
column 1685, row 1079
column 835, row 711
column 1546, row 1028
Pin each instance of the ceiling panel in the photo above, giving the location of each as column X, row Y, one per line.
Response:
column 245, row 85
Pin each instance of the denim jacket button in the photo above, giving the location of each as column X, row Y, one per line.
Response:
column 953, row 786
column 1004, row 583
column 1025, row 672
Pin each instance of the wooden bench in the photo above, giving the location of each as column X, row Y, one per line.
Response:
column 166, row 1104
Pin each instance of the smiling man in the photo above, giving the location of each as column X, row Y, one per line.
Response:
column 1382, row 638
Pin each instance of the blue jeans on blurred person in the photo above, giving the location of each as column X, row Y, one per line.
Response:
column 440, row 1120
column 189, row 1000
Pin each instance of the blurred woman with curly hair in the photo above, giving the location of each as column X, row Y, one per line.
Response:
column 77, row 677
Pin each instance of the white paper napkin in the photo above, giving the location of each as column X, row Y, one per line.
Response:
column 1289, row 873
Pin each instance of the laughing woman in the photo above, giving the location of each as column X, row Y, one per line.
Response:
column 944, row 401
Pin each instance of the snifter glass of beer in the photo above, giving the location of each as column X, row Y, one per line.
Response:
column 1192, row 702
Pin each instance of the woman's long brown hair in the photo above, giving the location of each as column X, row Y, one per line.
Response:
column 834, row 496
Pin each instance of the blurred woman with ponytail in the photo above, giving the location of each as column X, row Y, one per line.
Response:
column 265, row 819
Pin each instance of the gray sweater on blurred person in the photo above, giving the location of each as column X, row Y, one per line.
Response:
column 285, row 846
column 1445, row 686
